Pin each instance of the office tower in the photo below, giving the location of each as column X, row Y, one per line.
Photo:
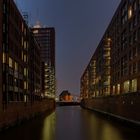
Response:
column 46, row 39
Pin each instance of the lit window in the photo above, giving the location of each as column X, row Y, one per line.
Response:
column 25, row 46
column 126, row 86
column 10, row 62
column 118, row 89
column 113, row 89
column 130, row 12
column 35, row 31
column 4, row 58
column 134, row 85
column 16, row 66
column 25, row 85
column 25, row 72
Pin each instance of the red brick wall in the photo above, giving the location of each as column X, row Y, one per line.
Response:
column 18, row 111
column 126, row 105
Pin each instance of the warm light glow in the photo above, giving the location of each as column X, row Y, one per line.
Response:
column 134, row 85
column 16, row 66
column 10, row 62
column 4, row 58
column 35, row 31
column 130, row 12
column 126, row 86
column 25, row 85
column 25, row 72
column 113, row 89
column 118, row 89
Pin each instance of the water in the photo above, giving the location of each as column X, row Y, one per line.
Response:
column 71, row 123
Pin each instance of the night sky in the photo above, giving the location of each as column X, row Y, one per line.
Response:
column 79, row 25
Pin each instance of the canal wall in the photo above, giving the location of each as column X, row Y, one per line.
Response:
column 124, row 107
column 17, row 112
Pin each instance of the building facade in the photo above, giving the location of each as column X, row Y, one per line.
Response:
column 20, row 57
column 20, row 75
column 66, row 96
column 1, row 9
column 46, row 39
column 115, row 65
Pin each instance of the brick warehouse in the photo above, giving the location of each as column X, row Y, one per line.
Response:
column 111, row 81
column 20, row 73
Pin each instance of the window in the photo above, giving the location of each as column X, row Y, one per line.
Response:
column 25, row 58
column 126, row 86
column 22, row 27
column 16, row 66
column 129, row 12
column 4, row 28
column 25, row 72
column 25, row 85
column 113, row 89
column 118, row 88
column 22, row 41
column 134, row 85
column 135, row 6
column 25, row 46
column 10, row 62
column 134, row 67
column 4, row 58
column 35, row 31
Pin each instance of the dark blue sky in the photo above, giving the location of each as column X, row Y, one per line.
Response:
column 79, row 25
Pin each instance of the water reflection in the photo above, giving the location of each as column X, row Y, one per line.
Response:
column 99, row 128
column 71, row 123
column 49, row 127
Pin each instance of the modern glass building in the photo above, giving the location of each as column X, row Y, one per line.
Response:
column 46, row 39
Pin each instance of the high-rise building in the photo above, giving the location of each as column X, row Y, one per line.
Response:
column 46, row 39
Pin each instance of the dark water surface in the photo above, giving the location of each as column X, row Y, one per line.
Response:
column 71, row 123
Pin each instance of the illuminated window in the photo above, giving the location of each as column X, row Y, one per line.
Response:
column 134, row 85
column 25, row 85
column 4, row 58
column 25, row 98
column 130, row 12
column 10, row 62
column 126, row 86
column 35, row 31
column 16, row 66
column 118, row 89
column 113, row 89
column 25, row 46
column 25, row 72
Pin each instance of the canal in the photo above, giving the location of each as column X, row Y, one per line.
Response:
column 71, row 123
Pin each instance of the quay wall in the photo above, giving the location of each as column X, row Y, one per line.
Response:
column 125, row 107
column 17, row 112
